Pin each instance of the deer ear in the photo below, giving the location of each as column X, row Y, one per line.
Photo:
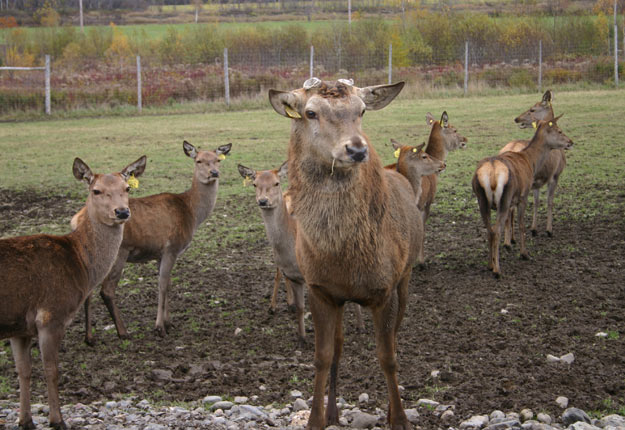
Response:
column 444, row 119
column 135, row 169
column 548, row 96
column 378, row 96
column 81, row 171
column 246, row 172
column 224, row 149
column 283, row 170
column 420, row 147
column 285, row 103
column 429, row 119
column 189, row 149
column 396, row 144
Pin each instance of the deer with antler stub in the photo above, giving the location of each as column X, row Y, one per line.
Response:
column 162, row 230
column 548, row 174
column 45, row 279
column 357, row 228
column 504, row 182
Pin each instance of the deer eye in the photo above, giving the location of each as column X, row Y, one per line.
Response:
column 128, row 189
column 97, row 192
column 311, row 114
column 254, row 185
column 277, row 184
column 363, row 113
column 199, row 161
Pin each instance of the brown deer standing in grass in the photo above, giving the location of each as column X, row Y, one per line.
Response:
column 357, row 228
column 414, row 164
column 162, row 229
column 45, row 279
column 504, row 181
column 281, row 230
column 548, row 174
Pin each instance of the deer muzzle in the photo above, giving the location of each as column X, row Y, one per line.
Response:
column 356, row 149
column 122, row 214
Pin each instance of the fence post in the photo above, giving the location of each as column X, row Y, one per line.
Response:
column 47, row 78
column 349, row 13
column 390, row 63
column 139, row 101
column 312, row 57
column 82, row 27
column 540, row 66
column 466, row 67
column 226, row 78
column 615, row 55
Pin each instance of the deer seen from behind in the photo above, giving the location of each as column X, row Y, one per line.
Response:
column 504, row 181
column 357, row 228
column 162, row 229
column 548, row 174
column 45, row 279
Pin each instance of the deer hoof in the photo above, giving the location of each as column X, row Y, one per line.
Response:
column 292, row 308
column 90, row 341
column 497, row 275
column 534, row 232
column 421, row 266
column 525, row 256
column 161, row 332
column 58, row 426
column 29, row 425
column 507, row 246
column 272, row 311
column 512, row 240
column 123, row 336
column 549, row 233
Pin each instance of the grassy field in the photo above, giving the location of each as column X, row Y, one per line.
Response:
column 38, row 155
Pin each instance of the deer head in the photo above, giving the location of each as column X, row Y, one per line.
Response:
column 206, row 162
column 541, row 111
column 328, row 115
column 266, row 184
column 107, row 202
column 415, row 159
column 453, row 140
column 553, row 135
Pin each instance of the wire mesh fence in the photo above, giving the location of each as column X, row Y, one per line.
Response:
column 471, row 68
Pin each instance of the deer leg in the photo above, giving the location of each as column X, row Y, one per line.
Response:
column 484, row 206
column 508, row 230
column 522, row 204
column 88, row 330
column 360, row 322
column 551, row 190
column 495, row 235
column 387, row 319
column 324, row 316
column 421, row 243
column 332, row 413
column 164, row 280
column 512, row 239
column 23, row 364
column 534, row 227
column 274, row 294
column 49, row 343
column 107, row 292
column 298, row 295
column 290, row 298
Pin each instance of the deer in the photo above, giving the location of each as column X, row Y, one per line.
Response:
column 357, row 228
column 45, row 279
column 504, row 181
column 548, row 174
column 281, row 230
column 162, row 230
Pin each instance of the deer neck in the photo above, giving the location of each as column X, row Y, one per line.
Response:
column 97, row 245
column 202, row 199
column 413, row 177
column 436, row 143
column 278, row 224
column 537, row 151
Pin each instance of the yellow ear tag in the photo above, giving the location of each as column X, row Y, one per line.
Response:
column 221, row 157
column 133, row 182
column 534, row 124
column 414, row 149
column 431, row 121
column 292, row 113
column 397, row 152
column 246, row 181
column 550, row 124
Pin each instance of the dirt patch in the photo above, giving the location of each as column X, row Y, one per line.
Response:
column 488, row 338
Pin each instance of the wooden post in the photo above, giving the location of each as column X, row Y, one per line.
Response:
column 540, row 66
column 226, row 78
column 139, row 100
column 47, row 78
column 312, row 57
column 349, row 13
column 82, row 27
column 466, row 67
column 390, row 63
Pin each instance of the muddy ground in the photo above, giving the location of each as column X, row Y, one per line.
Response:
column 489, row 338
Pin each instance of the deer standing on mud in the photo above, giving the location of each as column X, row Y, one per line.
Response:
column 548, row 174
column 414, row 164
column 357, row 228
column 45, row 279
column 504, row 181
column 162, row 229
column 443, row 139
column 281, row 230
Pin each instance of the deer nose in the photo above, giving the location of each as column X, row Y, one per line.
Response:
column 122, row 213
column 263, row 202
column 214, row 174
column 356, row 149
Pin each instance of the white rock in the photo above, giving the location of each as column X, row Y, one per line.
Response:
column 613, row 420
column 568, row 358
column 602, row 334
column 543, row 418
column 240, row 399
column 223, row 405
column 497, row 415
column 363, row 420
column 296, row 394
column 237, row 331
column 363, row 398
column 300, row 418
column 300, row 405
column 209, row 400
column 580, row 425
column 475, row 422
column 427, row 403
column 447, row 415
column 412, row 415
column 435, row 373
column 562, row 401
column 552, row 358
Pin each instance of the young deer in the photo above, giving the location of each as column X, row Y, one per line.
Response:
column 548, row 174
column 504, row 181
column 357, row 227
column 414, row 164
column 281, row 231
column 45, row 279
column 162, row 229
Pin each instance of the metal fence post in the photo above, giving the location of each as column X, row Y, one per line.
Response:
column 226, row 78
column 540, row 66
column 139, row 101
column 82, row 26
column 466, row 67
column 312, row 57
column 615, row 55
column 48, row 103
column 390, row 63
